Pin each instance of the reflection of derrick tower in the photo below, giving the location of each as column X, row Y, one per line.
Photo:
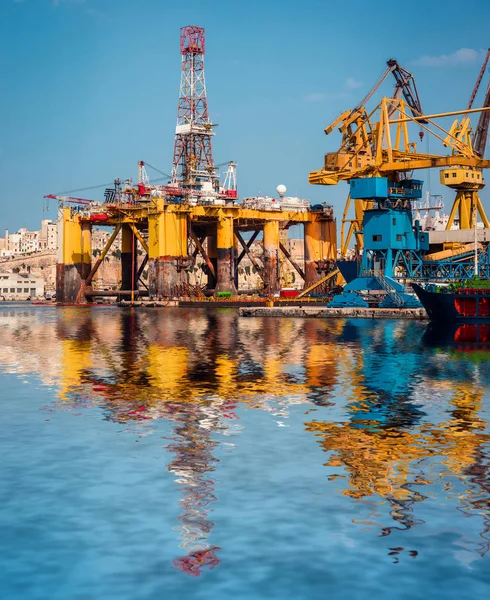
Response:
column 193, row 157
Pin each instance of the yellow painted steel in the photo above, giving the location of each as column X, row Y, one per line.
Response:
column 452, row 252
column 167, row 234
column 86, row 243
column 372, row 148
column 139, row 237
column 355, row 225
column 438, row 115
column 224, row 232
column 321, row 281
column 467, row 203
column 71, row 251
column 139, row 213
column 126, row 239
column 168, row 226
column 320, row 241
column 271, row 236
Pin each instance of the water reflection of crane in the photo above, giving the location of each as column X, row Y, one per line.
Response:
column 386, row 450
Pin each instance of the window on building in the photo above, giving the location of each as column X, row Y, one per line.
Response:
column 33, row 291
column 26, row 290
column 377, row 238
column 446, row 175
column 5, row 290
column 12, row 290
column 394, row 221
column 399, row 238
column 454, row 174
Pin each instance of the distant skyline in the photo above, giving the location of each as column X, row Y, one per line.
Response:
column 90, row 87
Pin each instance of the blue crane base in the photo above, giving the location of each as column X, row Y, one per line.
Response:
column 395, row 295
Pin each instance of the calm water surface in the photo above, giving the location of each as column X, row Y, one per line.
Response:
column 179, row 453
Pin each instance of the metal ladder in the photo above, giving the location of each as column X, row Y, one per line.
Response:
column 390, row 290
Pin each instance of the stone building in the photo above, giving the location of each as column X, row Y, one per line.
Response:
column 20, row 286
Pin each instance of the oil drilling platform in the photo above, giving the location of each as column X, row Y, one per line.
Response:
column 191, row 214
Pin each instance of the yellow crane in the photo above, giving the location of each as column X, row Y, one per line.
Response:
column 468, row 183
column 350, row 120
column 377, row 144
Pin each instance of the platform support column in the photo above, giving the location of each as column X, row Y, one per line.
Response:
column 71, row 260
column 129, row 259
column 167, row 245
column 212, row 251
column 320, row 249
column 236, row 254
column 271, row 258
column 226, row 251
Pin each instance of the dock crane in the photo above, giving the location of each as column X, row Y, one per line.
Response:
column 377, row 158
column 469, row 181
column 405, row 86
column 371, row 148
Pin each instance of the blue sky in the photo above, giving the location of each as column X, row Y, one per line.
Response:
column 91, row 86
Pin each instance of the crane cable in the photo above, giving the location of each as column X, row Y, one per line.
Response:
column 92, row 187
column 166, row 175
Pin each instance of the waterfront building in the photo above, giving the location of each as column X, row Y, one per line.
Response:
column 20, row 286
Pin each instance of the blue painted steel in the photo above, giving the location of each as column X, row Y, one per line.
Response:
column 409, row 188
column 395, row 247
column 369, row 188
column 348, row 299
column 396, row 295
column 379, row 188
column 391, row 241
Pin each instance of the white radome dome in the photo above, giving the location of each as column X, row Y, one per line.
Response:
column 281, row 189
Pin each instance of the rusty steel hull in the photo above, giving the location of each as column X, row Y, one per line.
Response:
column 271, row 272
column 70, row 281
column 225, row 262
column 165, row 276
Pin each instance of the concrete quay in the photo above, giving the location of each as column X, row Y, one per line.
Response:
column 324, row 312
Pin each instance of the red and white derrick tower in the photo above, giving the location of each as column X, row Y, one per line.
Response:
column 193, row 164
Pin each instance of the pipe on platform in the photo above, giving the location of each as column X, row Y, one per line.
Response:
column 271, row 258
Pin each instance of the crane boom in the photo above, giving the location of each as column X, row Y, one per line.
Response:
column 478, row 81
column 405, row 84
column 71, row 199
column 481, row 133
